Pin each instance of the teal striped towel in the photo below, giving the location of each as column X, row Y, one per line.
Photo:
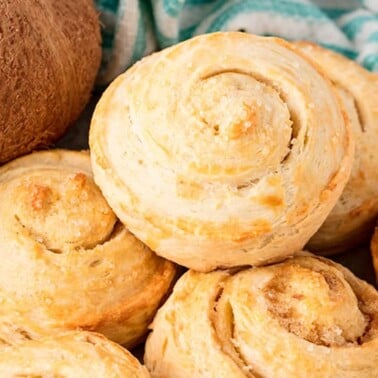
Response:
column 134, row 28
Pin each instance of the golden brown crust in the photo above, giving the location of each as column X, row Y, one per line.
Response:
column 50, row 53
column 67, row 262
column 222, row 160
column 76, row 354
column 352, row 220
column 304, row 317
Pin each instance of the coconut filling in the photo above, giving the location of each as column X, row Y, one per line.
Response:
column 318, row 306
column 258, row 310
column 62, row 210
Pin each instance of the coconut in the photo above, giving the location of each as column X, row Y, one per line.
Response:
column 49, row 57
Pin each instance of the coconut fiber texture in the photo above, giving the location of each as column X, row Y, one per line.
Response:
column 49, row 56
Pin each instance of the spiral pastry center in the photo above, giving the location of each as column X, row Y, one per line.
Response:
column 227, row 105
column 315, row 305
column 246, row 114
column 62, row 211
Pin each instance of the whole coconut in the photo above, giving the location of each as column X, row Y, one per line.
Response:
column 49, row 56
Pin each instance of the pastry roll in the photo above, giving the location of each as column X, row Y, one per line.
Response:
column 66, row 261
column 227, row 149
column 352, row 219
column 304, row 317
column 72, row 354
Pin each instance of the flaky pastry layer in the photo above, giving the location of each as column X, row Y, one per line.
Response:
column 66, row 260
column 73, row 354
column 224, row 150
column 304, row 317
column 352, row 219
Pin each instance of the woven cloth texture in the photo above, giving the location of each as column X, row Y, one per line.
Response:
column 132, row 29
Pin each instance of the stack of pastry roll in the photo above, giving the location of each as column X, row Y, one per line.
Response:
column 76, row 354
column 229, row 151
column 67, row 263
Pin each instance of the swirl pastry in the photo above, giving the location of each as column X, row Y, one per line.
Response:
column 227, row 149
column 73, row 354
column 66, row 262
column 304, row 317
column 352, row 219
